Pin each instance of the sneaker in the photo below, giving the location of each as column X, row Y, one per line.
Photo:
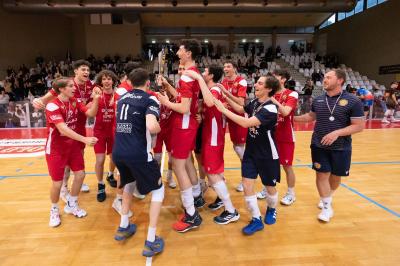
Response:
column 320, row 204
column 75, row 210
column 171, row 181
column 325, row 215
column 239, row 188
column 125, row 233
column 153, row 248
column 262, row 194
column 226, row 217
column 111, row 180
column 270, row 216
column 64, row 194
column 384, row 120
column 254, row 225
column 117, row 205
column 85, row 188
column 54, row 217
column 216, row 204
column 199, row 201
column 187, row 222
column 101, row 192
column 288, row 199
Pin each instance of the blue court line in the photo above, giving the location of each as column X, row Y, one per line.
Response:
column 371, row 200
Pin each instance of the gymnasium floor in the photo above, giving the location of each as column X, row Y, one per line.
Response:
column 364, row 231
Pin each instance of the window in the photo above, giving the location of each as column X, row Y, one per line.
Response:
column 371, row 3
column 329, row 21
column 359, row 6
column 341, row 16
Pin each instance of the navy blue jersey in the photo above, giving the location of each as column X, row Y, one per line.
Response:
column 260, row 142
column 348, row 107
column 132, row 139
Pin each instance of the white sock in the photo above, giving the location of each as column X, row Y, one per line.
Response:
column 222, row 192
column 197, row 189
column 327, row 202
column 188, row 201
column 72, row 201
column 169, row 173
column 252, row 205
column 151, row 234
column 54, row 205
column 272, row 200
column 101, row 182
column 124, row 221
column 119, row 197
column 290, row 190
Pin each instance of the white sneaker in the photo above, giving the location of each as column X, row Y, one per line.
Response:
column 75, row 210
column 137, row 194
column 117, row 205
column 384, row 120
column 239, row 188
column 325, row 215
column 171, row 181
column 320, row 204
column 85, row 188
column 262, row 194
column 64, row 194
column 54, row 217
column 288, row 199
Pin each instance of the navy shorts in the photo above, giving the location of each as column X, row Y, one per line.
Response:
column 268, row 170
column 146, row 174
column 199, row 139
column 331, row 161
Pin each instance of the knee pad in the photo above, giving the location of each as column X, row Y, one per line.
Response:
column 158, row 194
column 130, row 187
column 239, row 151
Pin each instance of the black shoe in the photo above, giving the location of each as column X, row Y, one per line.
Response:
column 101, row 192
column 226, row 217
column 111, row 180
column 199, row 201
column 216, row 204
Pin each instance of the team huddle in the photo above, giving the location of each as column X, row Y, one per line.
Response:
column 134, row 124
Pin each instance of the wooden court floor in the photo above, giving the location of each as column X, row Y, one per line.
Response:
column 364, row 231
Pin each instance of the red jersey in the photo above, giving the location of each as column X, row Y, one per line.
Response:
column 284, row 130
column 238, row 86
column 105, row 117
column 123, row 88
column 57, row 112
column 213, row 122
column 188, row 88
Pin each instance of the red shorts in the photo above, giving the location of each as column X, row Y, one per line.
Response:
column 237, row 133
column 57, row 161
column 162, row 137
column 285, row 152
column 104, row 144
column 182, row 142
column 212, row 158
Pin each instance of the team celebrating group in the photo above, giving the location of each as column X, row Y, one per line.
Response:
column 133, row 124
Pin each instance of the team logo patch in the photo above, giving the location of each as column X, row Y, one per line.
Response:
column 343, row 102
column 317, row 166
column 74, row 104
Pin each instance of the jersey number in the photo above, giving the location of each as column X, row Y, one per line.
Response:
column 124, row 112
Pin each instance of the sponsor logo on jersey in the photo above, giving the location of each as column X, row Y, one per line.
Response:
column 124, row 127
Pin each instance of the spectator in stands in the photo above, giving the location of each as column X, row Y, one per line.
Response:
column 308, row 87
column 37, row 118
column 20, row 113
column 4, row 100
column 12, row 120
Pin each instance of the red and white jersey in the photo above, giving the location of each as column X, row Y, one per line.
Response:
column 188, row 88
column 83, row 93
column 105, row 117
column 238, row 88
column 214, row 124
column 123, row 88
column 284, row 130
column 165, row 115
column 62, row 112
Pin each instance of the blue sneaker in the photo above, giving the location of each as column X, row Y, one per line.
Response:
column 254, row 226
column 153, row 248
column 270, row 216
column 124, row 233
